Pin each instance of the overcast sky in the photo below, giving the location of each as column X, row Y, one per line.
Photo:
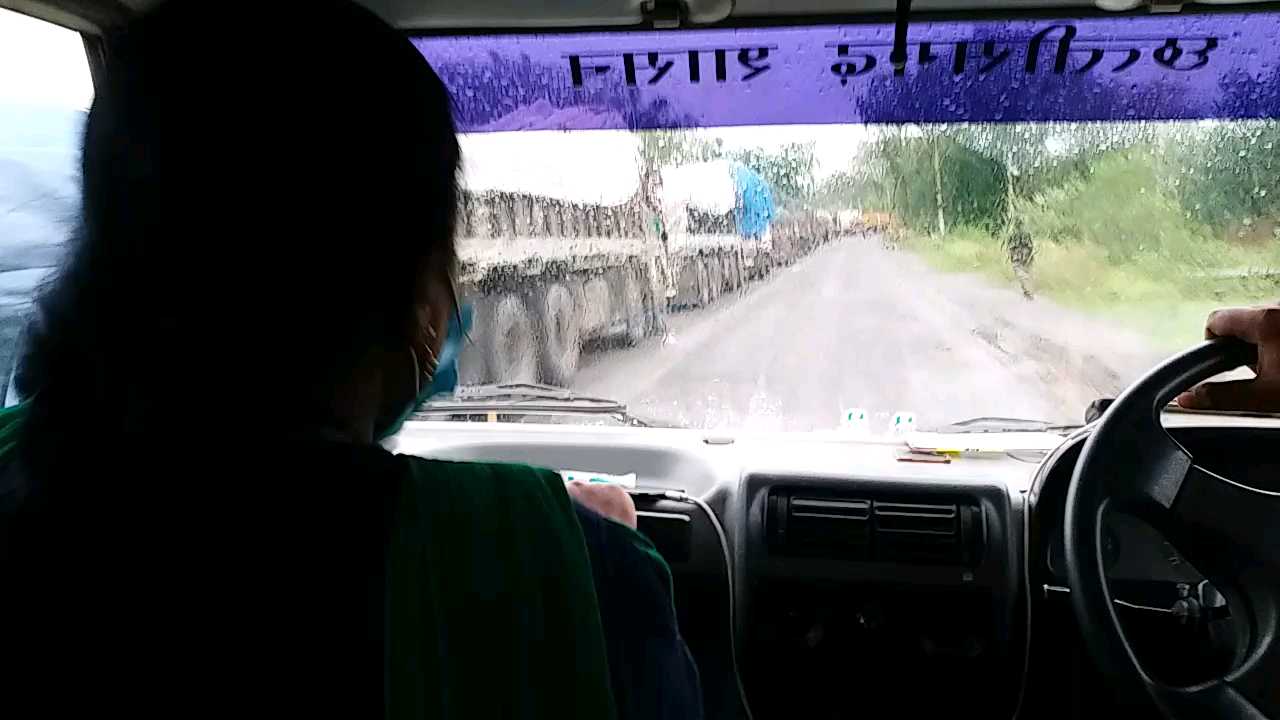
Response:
column 42, row 64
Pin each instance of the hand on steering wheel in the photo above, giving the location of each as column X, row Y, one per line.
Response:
column 1229, row 531
column 1260, row 327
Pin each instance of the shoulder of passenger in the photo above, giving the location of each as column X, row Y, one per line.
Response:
column 512, row 483
column 483, row 471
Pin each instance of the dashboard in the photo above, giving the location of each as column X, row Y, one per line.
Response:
column 822, row 576
column 1132, row 550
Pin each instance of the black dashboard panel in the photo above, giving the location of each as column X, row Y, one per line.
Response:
column 1244, row 454
column 940, row 609
column 1148, row 577
column 1135, row 551
column 861, row 614
column 992, row 564
column 1132, row 551
column 858, row 618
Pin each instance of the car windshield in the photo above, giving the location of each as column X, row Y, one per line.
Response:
column 773, row 229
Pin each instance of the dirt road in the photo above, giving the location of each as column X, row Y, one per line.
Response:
column 859, row 325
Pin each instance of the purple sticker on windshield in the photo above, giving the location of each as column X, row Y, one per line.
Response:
column 1126, row 68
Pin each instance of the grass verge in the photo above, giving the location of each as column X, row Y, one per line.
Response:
column 1162, row 294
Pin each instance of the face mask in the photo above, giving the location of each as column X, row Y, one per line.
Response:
column 445, row 378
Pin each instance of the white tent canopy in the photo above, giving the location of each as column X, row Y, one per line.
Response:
column 706, row 186
column 598, row 167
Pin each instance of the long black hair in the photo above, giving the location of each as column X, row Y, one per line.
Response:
column 267, row 188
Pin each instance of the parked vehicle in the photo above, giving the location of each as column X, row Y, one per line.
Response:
column 557, row 266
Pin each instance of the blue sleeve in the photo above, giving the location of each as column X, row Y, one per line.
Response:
column 652, row 672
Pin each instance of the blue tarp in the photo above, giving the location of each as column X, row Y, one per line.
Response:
column 753, row 210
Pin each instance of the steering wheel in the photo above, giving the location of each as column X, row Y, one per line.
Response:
column 1230, row 532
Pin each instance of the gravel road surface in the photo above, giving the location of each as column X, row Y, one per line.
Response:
column 857, row 324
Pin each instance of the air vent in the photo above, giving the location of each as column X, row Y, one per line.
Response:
column 848, row 528
column 911, row 532
column 820, row 526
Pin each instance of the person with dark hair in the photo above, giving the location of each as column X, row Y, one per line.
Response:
column 197, row 516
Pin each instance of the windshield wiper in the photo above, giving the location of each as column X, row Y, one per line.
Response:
column 515, row 398
column 1003, row 424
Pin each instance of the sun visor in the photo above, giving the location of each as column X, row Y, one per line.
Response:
column 520, row 14
column 1221, row 65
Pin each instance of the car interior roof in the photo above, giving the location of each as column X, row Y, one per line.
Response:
column 94, row 16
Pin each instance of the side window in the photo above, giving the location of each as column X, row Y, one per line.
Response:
column 45, row 91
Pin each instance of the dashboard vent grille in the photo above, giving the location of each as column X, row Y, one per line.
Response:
column 802, row 523
column 910, row 532
column 839, row 527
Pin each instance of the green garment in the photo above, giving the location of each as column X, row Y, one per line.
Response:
column 490, row 603
column 491, row 606
column 10, row 423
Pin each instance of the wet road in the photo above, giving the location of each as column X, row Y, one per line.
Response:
column 859, row 325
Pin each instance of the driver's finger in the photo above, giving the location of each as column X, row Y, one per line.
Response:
column 1259, row 326
column 1249, row 395
column 1247, row 323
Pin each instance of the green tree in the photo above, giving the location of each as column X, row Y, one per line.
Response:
column 929, row 180
column 1225, row 174
column 1122, row 207
column 1037, row 157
